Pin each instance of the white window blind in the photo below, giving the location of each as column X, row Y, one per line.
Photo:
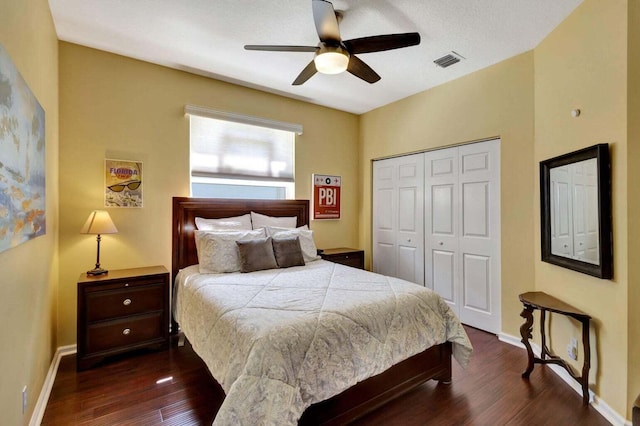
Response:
column 233, row 146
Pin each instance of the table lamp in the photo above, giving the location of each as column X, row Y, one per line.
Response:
column 99, row 222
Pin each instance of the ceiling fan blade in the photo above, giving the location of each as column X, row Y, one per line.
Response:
column 362, row 70
column 308, row 72
column 380, row 43
column 274, row 48
column 326, row 21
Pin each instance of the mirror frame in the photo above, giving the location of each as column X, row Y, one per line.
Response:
column 601, row 153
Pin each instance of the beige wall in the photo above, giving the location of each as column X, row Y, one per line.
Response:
column 633, row 202
column 582, row 64
column 113, row 106
column 28, row 287
column 497, row 101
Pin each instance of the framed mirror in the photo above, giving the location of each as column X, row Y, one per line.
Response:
column 575, row 203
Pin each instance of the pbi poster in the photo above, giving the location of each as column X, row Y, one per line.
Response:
column 326, row 197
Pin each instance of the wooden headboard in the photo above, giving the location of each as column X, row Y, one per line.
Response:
column 185, row 211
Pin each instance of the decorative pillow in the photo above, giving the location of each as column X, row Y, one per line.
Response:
column 309, row 249
column 256, row 255
column 288, row 252
column 262, row 221
column 236, row 223
column 218, row 252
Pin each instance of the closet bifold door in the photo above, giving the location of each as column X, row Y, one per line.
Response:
column 442, row 225
column 462, row 230
column 398, row 217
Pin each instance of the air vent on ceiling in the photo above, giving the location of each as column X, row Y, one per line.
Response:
column 448, row 60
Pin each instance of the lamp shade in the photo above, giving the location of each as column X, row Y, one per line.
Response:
column 331, row 62
column 331, row 59
column 99, row 222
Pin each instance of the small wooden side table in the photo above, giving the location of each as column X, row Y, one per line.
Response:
column 544, row 302
column 118, row 312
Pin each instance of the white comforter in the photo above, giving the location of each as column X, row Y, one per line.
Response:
column 280, row 340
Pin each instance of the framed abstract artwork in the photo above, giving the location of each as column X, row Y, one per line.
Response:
column 22, row 159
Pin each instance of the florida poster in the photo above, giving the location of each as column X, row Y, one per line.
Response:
column 22, row 159
column 123, row 183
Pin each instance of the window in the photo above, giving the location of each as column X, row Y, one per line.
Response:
column 237, row 156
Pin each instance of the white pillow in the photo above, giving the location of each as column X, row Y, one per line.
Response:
column 218, row 251
column 236, row 223
column 271, row 230
column 262, row 221
column 307, row 244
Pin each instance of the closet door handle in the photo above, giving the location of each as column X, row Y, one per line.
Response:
column 440, row 243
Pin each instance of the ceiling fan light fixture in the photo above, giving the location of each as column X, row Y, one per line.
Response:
column 331, row 60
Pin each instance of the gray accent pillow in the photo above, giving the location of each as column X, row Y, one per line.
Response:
column 256, row 255
column 288, row 252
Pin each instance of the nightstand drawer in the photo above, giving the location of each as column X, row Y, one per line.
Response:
column 129, row 331
column 349, row 260
column 344, row 256
column 120, row 302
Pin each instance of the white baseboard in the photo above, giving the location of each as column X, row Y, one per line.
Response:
column 43, row 398
column 597, row 403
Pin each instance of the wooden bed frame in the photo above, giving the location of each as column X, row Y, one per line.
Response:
column 366, row 396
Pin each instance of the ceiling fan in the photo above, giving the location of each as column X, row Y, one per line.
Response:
column 334, row 55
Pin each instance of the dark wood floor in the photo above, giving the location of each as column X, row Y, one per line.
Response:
column 489, row 392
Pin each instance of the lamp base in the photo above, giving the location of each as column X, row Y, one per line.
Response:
column 97, row 271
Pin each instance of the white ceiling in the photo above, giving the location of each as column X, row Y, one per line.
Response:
column 207, row 37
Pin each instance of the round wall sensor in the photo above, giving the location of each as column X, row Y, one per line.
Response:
column 575, row 113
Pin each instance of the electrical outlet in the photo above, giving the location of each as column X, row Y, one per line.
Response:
column 572, row 349
column 24, row 399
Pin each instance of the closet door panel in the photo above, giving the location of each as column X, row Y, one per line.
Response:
column 443, row 267
column 476, row 272
column 384, row 218
column 409, row 254
column 385, row 259
column 441, row 223
column 410, row 195
column 443, row 197
column 407, row 260
column 475, row 220
column 479, row 242
column 398, row 240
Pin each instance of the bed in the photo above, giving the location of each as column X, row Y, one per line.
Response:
column 380, row 378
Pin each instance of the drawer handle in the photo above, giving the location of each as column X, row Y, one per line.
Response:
column 126, row 302
column 126, row 331
column 346, row 257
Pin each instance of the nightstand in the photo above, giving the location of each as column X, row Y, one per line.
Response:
column 124, row 310
column 345, row 256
